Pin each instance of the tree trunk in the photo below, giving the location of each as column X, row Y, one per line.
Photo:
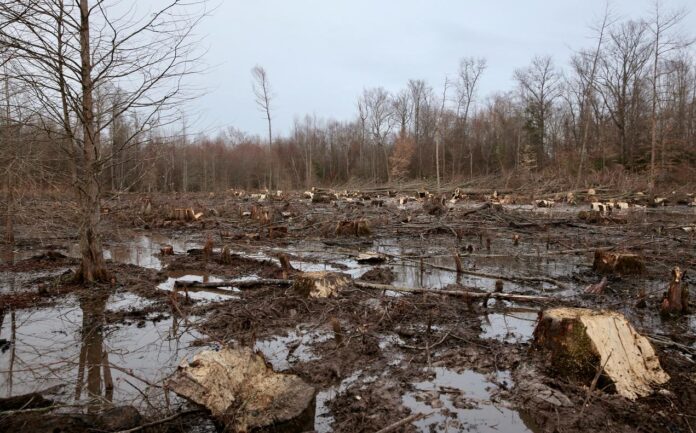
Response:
column 92, row 267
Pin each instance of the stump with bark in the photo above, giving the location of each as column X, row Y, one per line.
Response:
column 321, row 284
column 676, row 299
column 611, row 262
column 579, row 343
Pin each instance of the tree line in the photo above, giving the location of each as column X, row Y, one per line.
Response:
column 625, row 103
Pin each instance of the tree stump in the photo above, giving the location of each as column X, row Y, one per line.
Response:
column 321, row 284
column 240, row 390
column 676, row 299
column 580, row 342
column 609, row 262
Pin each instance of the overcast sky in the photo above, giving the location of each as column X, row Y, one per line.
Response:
column 320, row 54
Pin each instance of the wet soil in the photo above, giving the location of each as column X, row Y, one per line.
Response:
column 375, row 356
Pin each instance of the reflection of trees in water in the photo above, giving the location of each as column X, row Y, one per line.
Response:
column 94, row 357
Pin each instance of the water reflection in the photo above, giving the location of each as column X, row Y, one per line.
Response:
column 94, row 356
column 77, row 346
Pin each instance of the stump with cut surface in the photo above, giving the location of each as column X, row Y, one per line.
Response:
column 580, row 342
column 320, row 284
column 240, row 390
column 610, row 262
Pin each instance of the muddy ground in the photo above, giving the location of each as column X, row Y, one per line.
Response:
column 374, row 356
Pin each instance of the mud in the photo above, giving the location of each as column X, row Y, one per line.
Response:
column 376, row 357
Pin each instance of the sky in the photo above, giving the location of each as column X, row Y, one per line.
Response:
column 321, row 54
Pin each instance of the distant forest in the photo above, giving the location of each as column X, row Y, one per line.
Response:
column 625, row 105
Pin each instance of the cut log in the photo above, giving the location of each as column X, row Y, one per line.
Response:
column 608, row 262
column 240, row 390
column 321, row 284
column 676, row 299
column 581, row 342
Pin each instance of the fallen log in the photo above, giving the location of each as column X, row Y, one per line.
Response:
column 241, row 284
column 460, row 293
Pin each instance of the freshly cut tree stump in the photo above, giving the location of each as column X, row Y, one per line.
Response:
column 676, row 300
column 580, row 342
column 240, row 390
column 321, row 284
column 609, row 262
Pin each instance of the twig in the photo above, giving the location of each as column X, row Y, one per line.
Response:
column 396, row 425
column 161, row 421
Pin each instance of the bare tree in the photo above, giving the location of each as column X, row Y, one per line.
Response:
column 470, row 71
column 540, row 86
column 68, row 51
column 664, row 40
column 380, row 118
column 264, row 96
column 586, row 68
column 619, row 76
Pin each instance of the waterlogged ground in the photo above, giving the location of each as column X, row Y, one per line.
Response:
column 375, row 357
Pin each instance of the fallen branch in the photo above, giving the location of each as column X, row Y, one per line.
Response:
column 161, row 421
column 409, row 419
column 241, row 284
column 460, row 293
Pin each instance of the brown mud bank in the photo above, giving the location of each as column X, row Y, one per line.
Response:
column 428, row 325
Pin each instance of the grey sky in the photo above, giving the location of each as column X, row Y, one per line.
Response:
column 320, row 54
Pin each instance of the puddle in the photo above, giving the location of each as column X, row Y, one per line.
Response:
column 202, row 293
column 71, row 345
column 282, row 351
column 141, row 250
column 463, row 402
column 322, row 415
column 513, row 327
column 127, row 301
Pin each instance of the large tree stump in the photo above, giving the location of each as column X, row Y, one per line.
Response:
column 580, row 342
column 676, row 300
column 240, row 390
column 321, row 284
column 610, row 262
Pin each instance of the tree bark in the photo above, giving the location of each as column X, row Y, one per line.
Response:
column 92, row 267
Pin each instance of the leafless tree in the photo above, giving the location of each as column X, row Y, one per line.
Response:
column 665, row 39
column 470, row 71
column 380, row 119
column 264, row 97
column 69, row 51
column 620, row 72
column 540, row 86
column 585, row 65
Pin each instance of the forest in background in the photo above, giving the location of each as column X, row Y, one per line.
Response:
column 623, row 107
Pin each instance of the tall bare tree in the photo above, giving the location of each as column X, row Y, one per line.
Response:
column 665, row 40
column 470, row 71
column 540, row 86
column 264, row 97
column 67, row 52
